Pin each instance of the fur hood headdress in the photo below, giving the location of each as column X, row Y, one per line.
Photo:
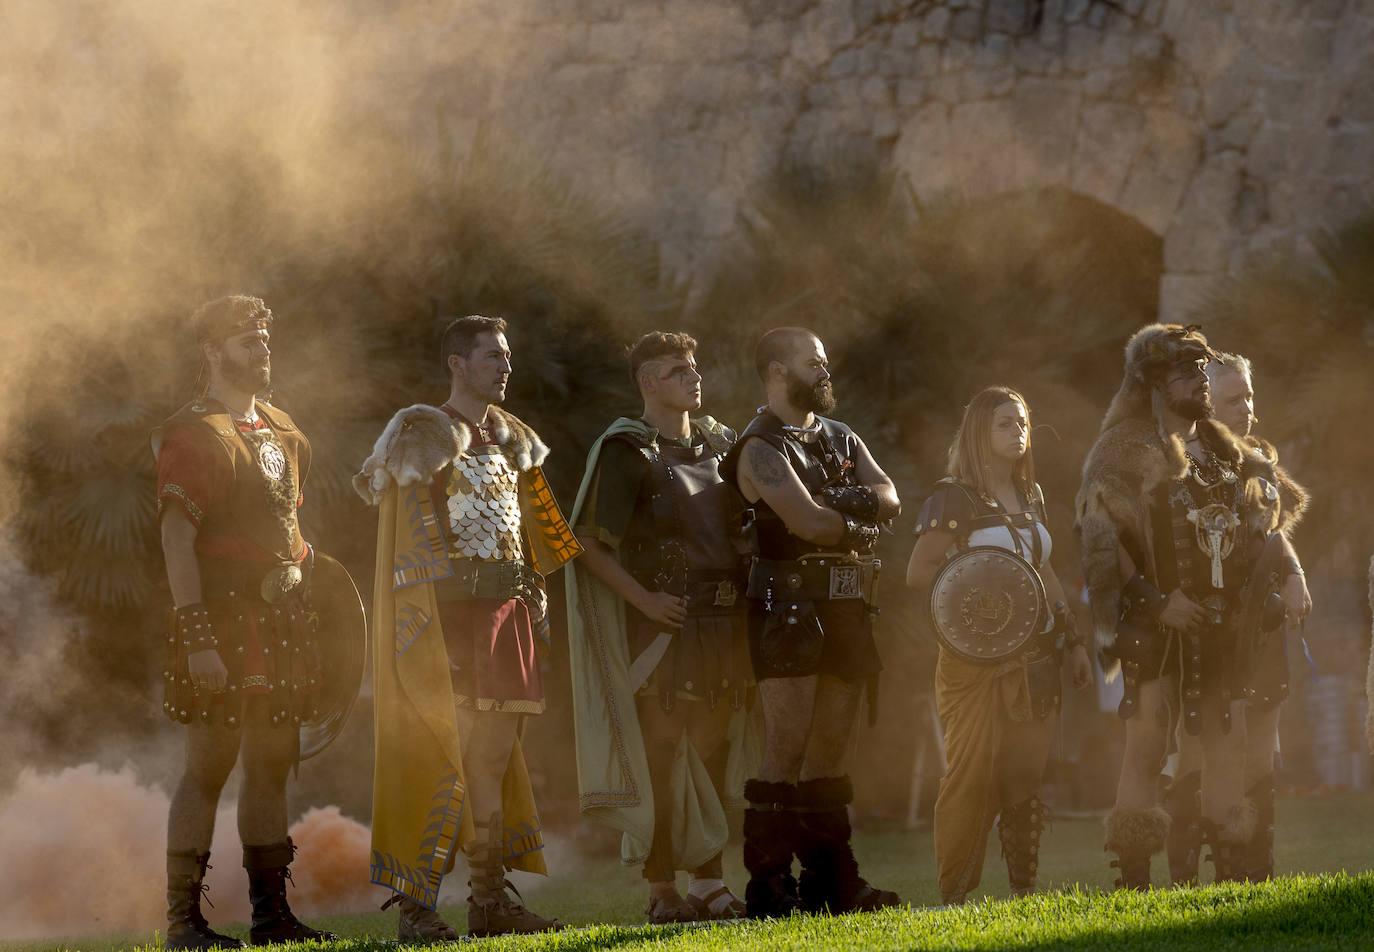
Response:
column 1152, row 349
column 421, row 440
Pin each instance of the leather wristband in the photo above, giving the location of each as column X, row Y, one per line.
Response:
column 1145, row 597
column 859, row 536
column 861, row 502
column 1067, row 622
column 194, row 628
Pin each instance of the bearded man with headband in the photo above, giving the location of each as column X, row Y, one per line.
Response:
column 242, row 670
column 1175, row 513
column 819, row 499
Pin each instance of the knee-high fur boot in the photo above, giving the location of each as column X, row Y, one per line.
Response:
column 1134, row 836
column 1229, row 841
column 770, row 830
column 830, row 874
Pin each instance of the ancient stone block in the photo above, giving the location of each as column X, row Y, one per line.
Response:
column 928, row 59
column 844, row 63
column 957, row 56
column 1029, row 56
column 1200, row 235
column 906, row 34
column 1231, row 91
column 769, row 40
column 875, row 91
column 910, row 92
column 1160, row 174
column 1075, row 10
column 1007, row 16
column 1357, row 102
column 935, row 24
column 1110, row 135
column 1082, row 49
column 612, row 42
column 966, row 25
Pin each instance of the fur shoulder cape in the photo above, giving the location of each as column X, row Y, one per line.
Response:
column 421, row 440
column 1127, row 463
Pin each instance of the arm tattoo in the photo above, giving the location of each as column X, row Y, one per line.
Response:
column 767, row 464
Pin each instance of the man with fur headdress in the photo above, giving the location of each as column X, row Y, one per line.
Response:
column 242, row 672
column 1173, row 513
column 468, row 528
column 1233, row 399
column 660, row 661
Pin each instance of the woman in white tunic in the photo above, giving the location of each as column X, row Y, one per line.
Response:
column 999, row 718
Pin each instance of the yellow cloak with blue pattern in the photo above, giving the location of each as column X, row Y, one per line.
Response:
column 419, row 802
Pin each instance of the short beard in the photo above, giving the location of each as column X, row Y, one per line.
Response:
column 246, row 377
column 817, row 399
column 1192, row 410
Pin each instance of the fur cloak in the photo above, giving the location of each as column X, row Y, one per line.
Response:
column 1129, row 461
column 420, row 817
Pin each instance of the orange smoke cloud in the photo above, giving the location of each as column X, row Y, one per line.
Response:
column 83, row 855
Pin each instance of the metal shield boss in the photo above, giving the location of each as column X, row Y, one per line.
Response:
column 986, row 604
column 341, row 637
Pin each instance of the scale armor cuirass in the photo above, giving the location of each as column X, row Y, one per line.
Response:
column 484, row 507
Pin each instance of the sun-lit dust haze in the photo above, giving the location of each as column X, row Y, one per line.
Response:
column 155, row 154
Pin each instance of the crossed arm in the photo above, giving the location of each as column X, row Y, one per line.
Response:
column 764, row 473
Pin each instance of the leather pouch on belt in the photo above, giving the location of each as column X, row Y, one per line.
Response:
column 792, row 638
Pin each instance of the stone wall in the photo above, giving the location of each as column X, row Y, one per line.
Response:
column 1226, row 126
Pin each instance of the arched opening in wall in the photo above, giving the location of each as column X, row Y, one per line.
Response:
column 920, row 307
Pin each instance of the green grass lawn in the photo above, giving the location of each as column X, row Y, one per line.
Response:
column 1323, row 909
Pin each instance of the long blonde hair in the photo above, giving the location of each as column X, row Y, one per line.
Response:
column 970, row 455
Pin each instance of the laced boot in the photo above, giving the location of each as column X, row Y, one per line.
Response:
column 491, row 910
column 418, row 923
column 830, row 877
column 269, row 869
column 1019, row 829
column 1134, row 836
column 1259, row 852
column 770, row 830
column 1184, row 842
column 186, row 927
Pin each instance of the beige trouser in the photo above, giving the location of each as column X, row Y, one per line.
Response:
column 997, row 753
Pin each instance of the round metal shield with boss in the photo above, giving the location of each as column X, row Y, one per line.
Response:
column 987, row 603
column 341, row 637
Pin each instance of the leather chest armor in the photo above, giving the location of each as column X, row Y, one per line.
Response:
column 816, row 458
column 268, row 467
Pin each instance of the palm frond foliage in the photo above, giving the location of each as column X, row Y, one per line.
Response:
column 1307, row 326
